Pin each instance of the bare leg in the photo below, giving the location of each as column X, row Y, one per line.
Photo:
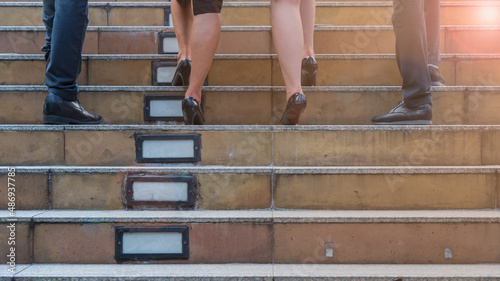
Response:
column 205, row 38
column 183, row 24
column 289, row 41
column 307, row 14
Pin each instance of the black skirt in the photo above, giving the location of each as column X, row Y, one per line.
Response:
column 204, row 6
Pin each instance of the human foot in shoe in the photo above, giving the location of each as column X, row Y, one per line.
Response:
column 404, row 115
column 294, row 108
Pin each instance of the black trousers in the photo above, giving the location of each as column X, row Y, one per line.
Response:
column 433, row 28
column 66, row 23
column 411, row 51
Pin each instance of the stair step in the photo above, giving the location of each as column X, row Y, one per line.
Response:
column 257, row 216
column 245, row 1
column 254, row 13
column 261, row 105
column 255, row 272
column 115, row 145
column 259, row 70
column 401, row 237
column 253, row 40
column 234, row 188
column 134, row 40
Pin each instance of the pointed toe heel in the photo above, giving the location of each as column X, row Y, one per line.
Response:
column 182, row 73
column 294, row 108
column 309, row 71
column 191, row 112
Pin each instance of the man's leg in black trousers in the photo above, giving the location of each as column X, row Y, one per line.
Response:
column 411, row 51
column 68, row 33
column 432, row 23
column 411, row 55
column 49, row 11
column 432, row 27
column 66, row 22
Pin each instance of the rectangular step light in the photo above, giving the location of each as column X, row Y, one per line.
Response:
column 163, row 108
column 160, row 191
column 168, row 17
column 163, row 72
column 151, row 243
column 167, row 43
column 168, row 148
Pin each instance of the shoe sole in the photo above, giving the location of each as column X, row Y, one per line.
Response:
column 58, row 120
column 408, row 122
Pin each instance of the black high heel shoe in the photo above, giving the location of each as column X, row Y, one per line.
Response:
column 294, row 108
column 182, row 72
column 309, row 71
column 192, row 113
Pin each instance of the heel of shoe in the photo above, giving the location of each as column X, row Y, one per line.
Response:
column 193, row 117
column 189, row 116
column 292, row 115
column 309, row 79
column 294, row 109
column 192, row 113
column 309, row 72
column 182, row 73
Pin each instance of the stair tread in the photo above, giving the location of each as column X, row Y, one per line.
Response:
column 37, row 88
column 253, row 270
column 11, row 56
column 240, row 128
column 333, row 89
column 253, row 4
column 256, row 216
column 282, row 170
column 249, row 28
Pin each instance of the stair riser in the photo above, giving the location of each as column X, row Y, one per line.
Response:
column 133, row 42
column 95, row 243
column 254, row 191
column 264, row 108
column 98, row 16
column 384, row 148
column 387, row 243
column 78, row 191
column 367, row 41
column 377, row 71
column 23, row 251
column 291, row 148
column 118, row 148
column 250, row 16
column 395, row 243
column 376, row 279
column 377, row 192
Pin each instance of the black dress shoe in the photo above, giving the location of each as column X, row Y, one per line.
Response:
column 182, row 73
column 403, row 115
column 436, row 77
column 192, row 112
column 56, row 110
column 294, row 108
column 309, row 71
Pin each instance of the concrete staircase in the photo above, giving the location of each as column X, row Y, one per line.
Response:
column 332, row 199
